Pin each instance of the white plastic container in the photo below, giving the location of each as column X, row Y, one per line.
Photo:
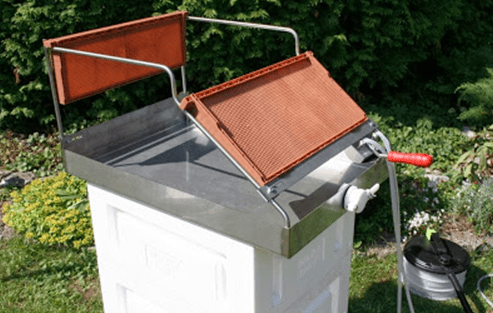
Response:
column 150, row 261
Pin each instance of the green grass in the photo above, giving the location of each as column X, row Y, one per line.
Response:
column 373, row 287
column 37, row 278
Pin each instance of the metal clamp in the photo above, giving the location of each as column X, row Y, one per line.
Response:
column 375, row 147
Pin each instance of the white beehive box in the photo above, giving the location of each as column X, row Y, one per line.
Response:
column 150, row 261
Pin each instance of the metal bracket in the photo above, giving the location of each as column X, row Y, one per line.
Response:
column 273, row 189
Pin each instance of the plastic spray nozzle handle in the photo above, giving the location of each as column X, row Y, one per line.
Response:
column 418, row 159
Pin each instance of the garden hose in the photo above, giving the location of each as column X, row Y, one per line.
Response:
column 445, row 260
column 481, row 291
column 394, row 194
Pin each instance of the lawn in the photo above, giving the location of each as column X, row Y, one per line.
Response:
column 373, row 287
column 37, row 278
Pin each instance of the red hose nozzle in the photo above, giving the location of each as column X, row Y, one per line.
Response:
column 418, row 159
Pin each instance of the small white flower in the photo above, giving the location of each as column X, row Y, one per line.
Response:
column 432, row 184
column 426, row 200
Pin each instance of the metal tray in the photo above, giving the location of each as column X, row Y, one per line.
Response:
column 153, row 155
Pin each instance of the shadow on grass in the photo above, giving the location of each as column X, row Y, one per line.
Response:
column 382, row 297
column 24, row 273
column 23, row 259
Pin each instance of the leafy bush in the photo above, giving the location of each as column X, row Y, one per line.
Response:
column 476, row 163
column 369, row 47
column 462, row 53
column 422, row 204
column 480, row 97
column 476, row 202
column 54, row 211
column 362, row 43
column 442, row 143
column 38, row 153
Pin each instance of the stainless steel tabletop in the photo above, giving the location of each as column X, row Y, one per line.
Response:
column 154, row 156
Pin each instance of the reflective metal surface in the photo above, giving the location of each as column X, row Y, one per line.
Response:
column 153, row 155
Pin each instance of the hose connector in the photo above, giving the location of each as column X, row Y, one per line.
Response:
column 356, row 198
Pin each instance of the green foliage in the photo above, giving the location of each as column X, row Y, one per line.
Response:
column 442, row 143
column 477, row 162
column 53, row 211
column 422, row 205
column 37, row 153
column 463, row 52
column 369, row 47
column 362, row 43
column 476, row 202
column 480, row 97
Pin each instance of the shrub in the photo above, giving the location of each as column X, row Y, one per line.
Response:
column 54, row 211
column 463, row 53
column 442, row 143
column 422, row 204
column 476, row 202
column 365, row 45
column 480, row 97
column 37, row 153
column 476, row 164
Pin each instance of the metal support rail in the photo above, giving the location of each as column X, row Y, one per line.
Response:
column 165, row 68
column 53, row 93
column 252, row 25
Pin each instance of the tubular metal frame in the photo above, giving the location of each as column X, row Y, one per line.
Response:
column 48, row 54
column 252, row 25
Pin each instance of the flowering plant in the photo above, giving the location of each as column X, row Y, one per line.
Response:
column 475, row 200
column 53, row 210
column 427, row 213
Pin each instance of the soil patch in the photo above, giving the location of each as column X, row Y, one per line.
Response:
column 461, row 231
column 457, row 229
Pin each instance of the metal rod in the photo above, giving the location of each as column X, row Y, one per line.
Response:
column 252, row 25
column 184, row 79
column 224, row 151
column 54, row 94
column 128, row 61
column 287, row 221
